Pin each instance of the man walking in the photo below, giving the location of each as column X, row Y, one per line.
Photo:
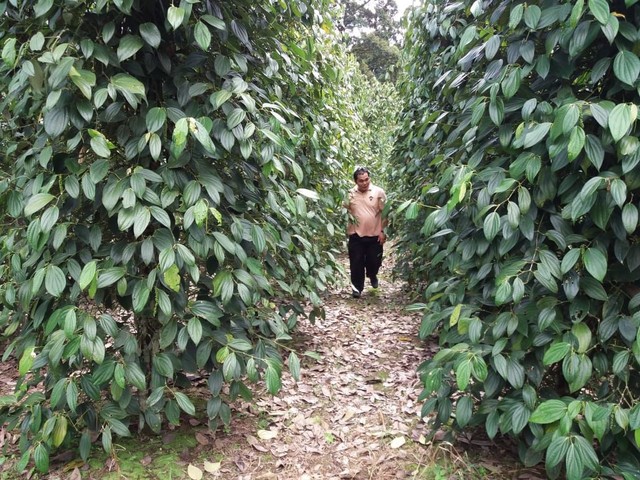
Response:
column 365, row 230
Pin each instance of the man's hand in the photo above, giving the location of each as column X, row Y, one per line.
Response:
column 382, row 238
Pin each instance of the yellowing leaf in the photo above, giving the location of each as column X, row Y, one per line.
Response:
column 172, row 278
column 455, row 315
column 211, row 467
column 397, row 442
column 267, row 434
column 194, row 472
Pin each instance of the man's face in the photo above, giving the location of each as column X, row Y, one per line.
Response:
column 362, row 181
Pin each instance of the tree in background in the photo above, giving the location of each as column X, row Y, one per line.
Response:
column 518, row 160
column 168, row 206
column 374, row 34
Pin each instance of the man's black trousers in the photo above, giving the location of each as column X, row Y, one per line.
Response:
column 365, row 258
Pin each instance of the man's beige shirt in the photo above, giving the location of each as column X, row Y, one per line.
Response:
column 367, row 208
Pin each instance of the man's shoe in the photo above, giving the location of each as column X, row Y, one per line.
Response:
column 355, row 293
column 374, row 282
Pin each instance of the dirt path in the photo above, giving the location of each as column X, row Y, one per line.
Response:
column 354, row 413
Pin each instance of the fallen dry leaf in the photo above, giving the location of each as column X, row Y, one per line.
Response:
column 202, row 439
column 267, row 434
column 75, row 475
column 212, row 467
column 397, row 442
column 255, row 443
column 194, row 472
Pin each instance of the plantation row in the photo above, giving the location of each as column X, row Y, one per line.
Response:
column 170, row 197
column 168, row 205
column 517, row 162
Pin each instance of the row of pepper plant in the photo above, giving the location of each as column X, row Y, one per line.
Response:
column 169, row 207
column 516, row 175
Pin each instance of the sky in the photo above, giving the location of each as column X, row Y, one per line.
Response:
column 403, row 4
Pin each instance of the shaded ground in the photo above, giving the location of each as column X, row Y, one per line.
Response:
column 354, row 414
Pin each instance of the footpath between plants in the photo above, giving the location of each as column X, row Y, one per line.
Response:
column 353, row 414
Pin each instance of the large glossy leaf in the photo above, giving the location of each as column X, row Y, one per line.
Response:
column 129, row 46
column 595, row 261
column 150, row 34
column 626, row 67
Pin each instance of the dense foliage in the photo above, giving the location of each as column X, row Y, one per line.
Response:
column 519, row 160
column 167, row 174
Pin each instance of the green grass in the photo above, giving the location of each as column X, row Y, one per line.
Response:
column 138, row 458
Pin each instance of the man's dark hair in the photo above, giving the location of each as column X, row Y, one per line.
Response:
column 360, row 171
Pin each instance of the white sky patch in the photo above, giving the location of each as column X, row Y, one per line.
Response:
column 403, row 5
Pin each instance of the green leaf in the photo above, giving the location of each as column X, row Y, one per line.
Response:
column 223, row 286
column 225, row 242
column 155, row 119
column 496, row 111
column 100, row 147
column 258, row 238
column 618, row 191
column 150, row 34
column 179, row 138
column 202, row 35
column 88, row 274
column 129, row 46
column 272, row 379
column 26, row 362
column 37, row 202
column 305, row 192
column 294, row 366
column 491, row 225
column 141, row 221
column 534, row 134
column 175, row 16
column 134, row 376
column 630, row 218
column 532, row 16
column 40, row 9
column 194, row 327
column 218, row 98
column 600, row 10
column 59, row 431
column 55, row 281
column 583, row 333
column 576, row 143
column 84, row 80
column 109, row 276
column 464, row 410
column 556, row 452
column 140, row 296
column 235, row 118
column 549, row 412
column 516, row 15
column 41, row 458
column 556, row 352
column 576, row 13
column 620, row 121
column 185, row 403
column 626, row 67
column 127, row 83
column 163, row 365
column 463, row 374
column 595, row 261
column 594, row 150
